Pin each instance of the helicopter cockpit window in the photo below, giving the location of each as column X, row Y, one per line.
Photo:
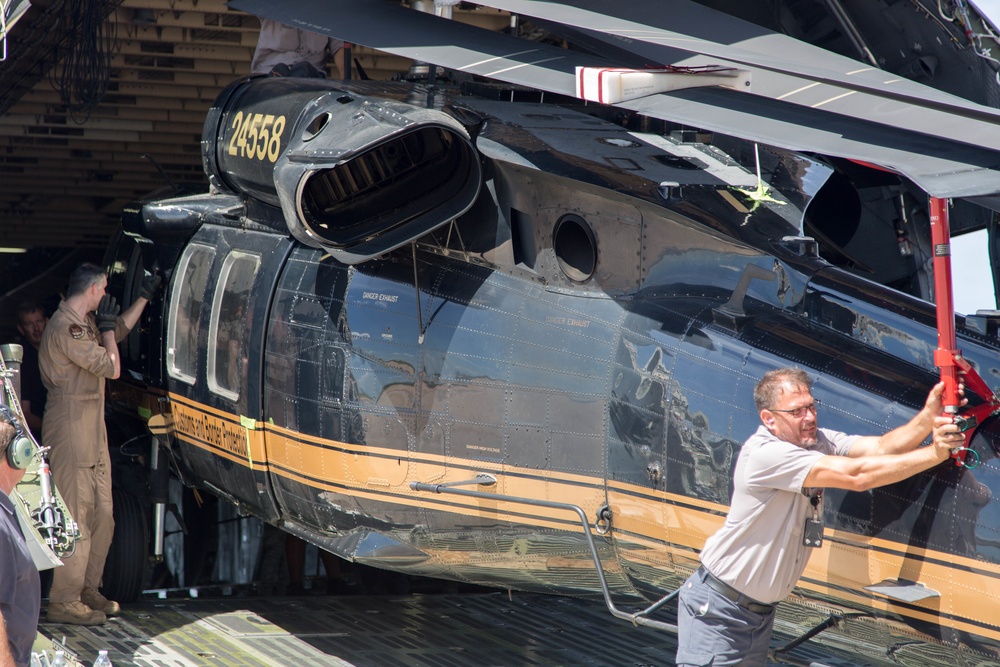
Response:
column 226, row 351
column 185, row 312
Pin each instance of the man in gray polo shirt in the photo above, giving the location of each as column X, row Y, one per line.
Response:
column 726, row 608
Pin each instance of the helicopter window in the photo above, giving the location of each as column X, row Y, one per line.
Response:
column 228, row 324
column 575, row 247
column 185, row 312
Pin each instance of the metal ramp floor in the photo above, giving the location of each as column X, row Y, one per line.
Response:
column 460, row 630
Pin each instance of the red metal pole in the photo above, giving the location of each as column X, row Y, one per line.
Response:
column 945, row 355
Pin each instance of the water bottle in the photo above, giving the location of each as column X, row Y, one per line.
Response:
column 102, row 659
column 59, row 660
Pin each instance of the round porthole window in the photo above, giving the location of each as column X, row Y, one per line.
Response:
column 575, row 247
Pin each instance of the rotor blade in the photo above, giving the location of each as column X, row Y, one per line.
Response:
column 388, row 26
column 936, row 159
column 803, row 74
column 940, row 167
column 668, row 31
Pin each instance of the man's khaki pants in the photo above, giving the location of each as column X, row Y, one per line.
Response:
column 87, row 493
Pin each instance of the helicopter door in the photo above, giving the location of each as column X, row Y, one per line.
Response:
column 311, row 427
column 214, row 331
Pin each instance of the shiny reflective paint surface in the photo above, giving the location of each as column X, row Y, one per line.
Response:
column 671, row 390
column 631, row 389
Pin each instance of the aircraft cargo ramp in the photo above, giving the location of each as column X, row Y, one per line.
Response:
column 463, row 630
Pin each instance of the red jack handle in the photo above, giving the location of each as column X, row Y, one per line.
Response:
column 946, row 354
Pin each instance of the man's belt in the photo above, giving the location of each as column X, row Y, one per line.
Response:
column 733, row 595
column 89, row 396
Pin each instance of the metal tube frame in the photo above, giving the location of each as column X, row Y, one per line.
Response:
column 485, row 479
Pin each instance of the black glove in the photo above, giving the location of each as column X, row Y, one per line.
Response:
column 150, row 285
column 107, row 313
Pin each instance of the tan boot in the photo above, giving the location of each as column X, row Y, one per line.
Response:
column 93, row 599
column 75, row 613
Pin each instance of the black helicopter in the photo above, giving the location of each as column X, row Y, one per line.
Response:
column 476, row 330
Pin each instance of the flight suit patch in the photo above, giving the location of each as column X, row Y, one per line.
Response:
column 76, row 331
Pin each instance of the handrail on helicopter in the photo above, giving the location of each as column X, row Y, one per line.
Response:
column 486, row 479
column 781, row 654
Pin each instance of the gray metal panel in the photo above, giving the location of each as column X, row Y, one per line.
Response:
column 939, row 166
column 389, row 27
column 942, row 165
column 680, row 28
column 907, row 591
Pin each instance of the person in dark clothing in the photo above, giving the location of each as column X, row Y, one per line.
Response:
column 31, row 321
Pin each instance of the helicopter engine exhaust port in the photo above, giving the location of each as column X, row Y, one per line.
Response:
column 332, row 160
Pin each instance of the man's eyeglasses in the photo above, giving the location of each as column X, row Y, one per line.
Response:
column 799, row 413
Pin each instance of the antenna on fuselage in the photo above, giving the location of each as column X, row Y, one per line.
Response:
column 416, row 286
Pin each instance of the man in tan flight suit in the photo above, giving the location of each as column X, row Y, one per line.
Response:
column 79, row 349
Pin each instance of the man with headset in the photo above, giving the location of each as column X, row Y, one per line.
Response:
column 20, row 596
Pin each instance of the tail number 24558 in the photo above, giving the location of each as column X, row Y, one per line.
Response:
column 257, row 136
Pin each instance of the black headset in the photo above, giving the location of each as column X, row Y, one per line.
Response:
column 21, row 449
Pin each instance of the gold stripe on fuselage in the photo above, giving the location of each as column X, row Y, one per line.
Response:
column 655, row 527
column 218, row 432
